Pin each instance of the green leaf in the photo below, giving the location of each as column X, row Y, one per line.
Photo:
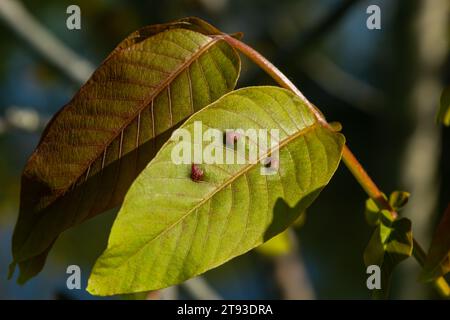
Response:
column 398, row 199
column 171, row 228
column 391, row 243
column 444, row 109
column 372, row 212
column 336, row 126
column 93, row 148
column 438, row 259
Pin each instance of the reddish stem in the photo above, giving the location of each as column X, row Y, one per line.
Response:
column 349, row 159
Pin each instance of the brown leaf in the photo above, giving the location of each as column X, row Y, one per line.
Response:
column 94, row 147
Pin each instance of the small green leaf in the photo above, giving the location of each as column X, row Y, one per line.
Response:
column 398, row 199
column 438, row 259
column 171, row 228
column 372, row 212
column 386, row 218
column 374, row 252
column 336, row 126
column 444, row 109
column 390, row 244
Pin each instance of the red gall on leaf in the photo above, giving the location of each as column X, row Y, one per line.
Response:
column 196, row 173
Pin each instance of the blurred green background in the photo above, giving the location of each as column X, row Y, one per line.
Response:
column 382, row 85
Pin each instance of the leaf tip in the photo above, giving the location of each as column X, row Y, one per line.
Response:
column 93, row 287
column 336, row 126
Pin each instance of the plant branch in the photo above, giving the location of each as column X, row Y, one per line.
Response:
column 366, row 181
column 374, row 192
column 349, row 159
column 273, row 71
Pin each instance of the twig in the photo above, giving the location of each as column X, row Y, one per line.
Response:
column 35, row 34
column 273, row 71
column 349, row 159
column 373, row 192
column 330, row 77
column 313, row 35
